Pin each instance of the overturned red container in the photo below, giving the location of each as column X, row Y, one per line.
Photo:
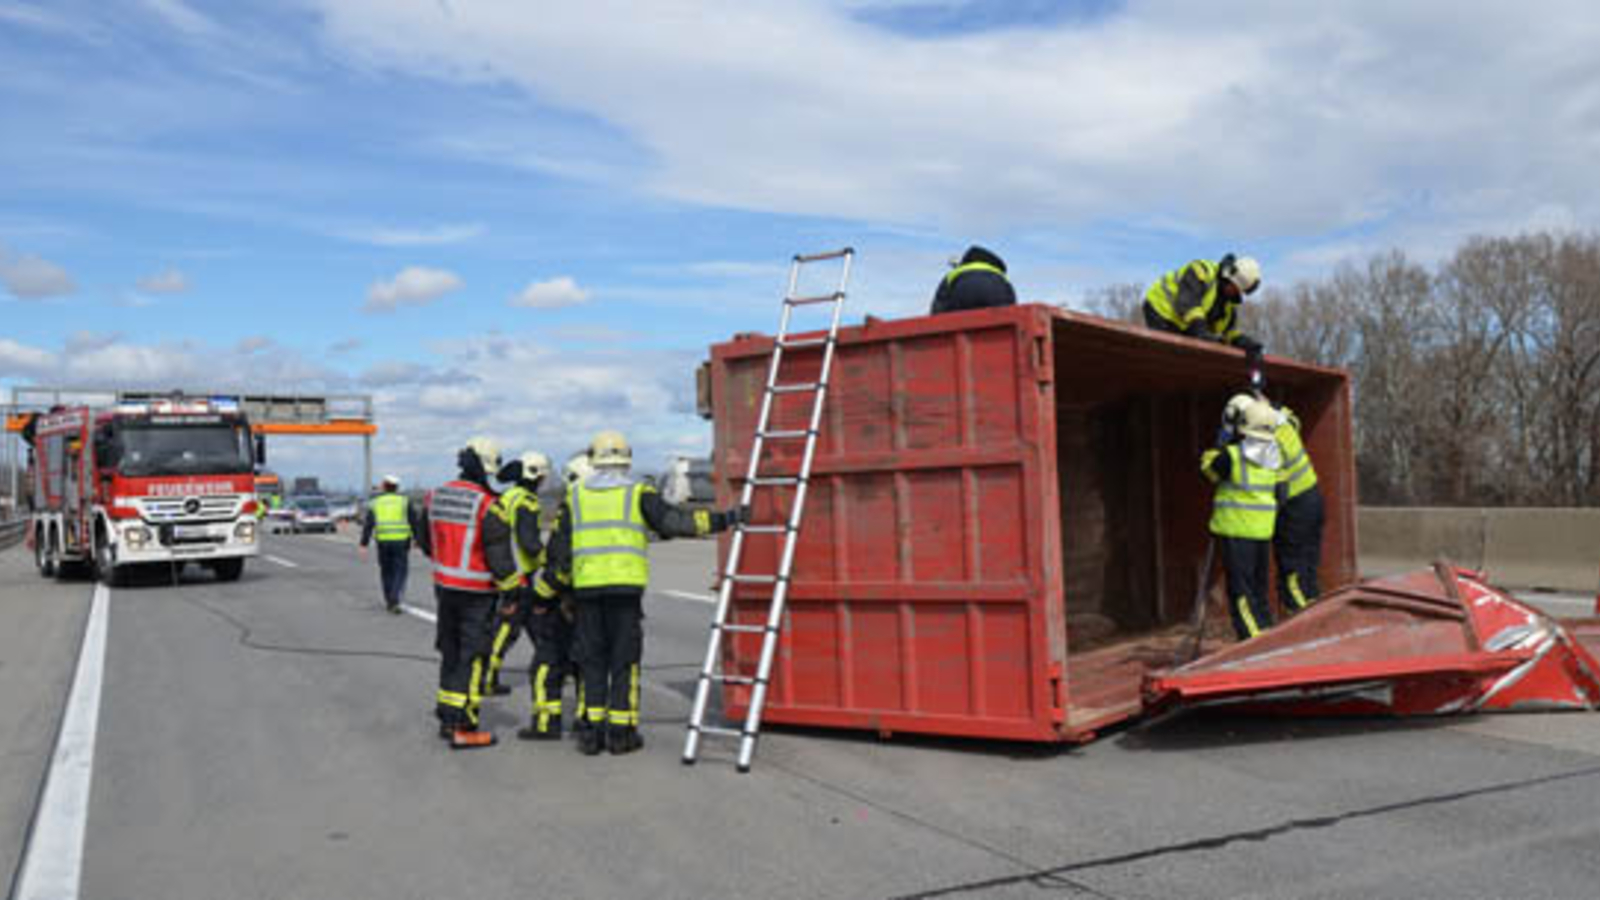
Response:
column 1005, row 523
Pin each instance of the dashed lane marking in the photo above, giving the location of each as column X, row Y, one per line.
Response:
column 419, row 612
column 689, row 595
column 53, row 866
column 281, row 561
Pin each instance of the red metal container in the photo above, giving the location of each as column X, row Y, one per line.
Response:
column 1006, row 519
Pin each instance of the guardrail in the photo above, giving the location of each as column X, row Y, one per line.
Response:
column 1536, row 548
column 12, row 533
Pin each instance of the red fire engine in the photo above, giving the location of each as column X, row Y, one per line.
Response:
column 168, row 482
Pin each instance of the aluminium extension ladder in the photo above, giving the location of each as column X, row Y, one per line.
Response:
column 711, row 672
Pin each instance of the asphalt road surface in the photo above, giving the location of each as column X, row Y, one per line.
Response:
column 274, row 738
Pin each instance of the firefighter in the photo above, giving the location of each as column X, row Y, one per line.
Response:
column 1297, row 537
column 976, row 282
column 1202, row 301
column 464, row 588
column 1244, row 467
column 515, row 552
column 391, row 521
column 600, row 546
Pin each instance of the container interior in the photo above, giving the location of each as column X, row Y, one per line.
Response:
column 1133, row 413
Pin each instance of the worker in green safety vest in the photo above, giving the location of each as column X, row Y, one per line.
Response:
column 600, row 548
column 977, row 281
column 1297, row 537
column 1244, row 468
column 390, row 520
column 1202, row 299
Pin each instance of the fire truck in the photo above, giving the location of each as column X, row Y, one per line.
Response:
column 159, row 482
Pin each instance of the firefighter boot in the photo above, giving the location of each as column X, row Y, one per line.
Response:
column 468, row 738
column 551, row 732
column 622, row 739
column 591, row 740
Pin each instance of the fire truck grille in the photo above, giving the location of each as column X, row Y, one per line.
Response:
column 160, row 510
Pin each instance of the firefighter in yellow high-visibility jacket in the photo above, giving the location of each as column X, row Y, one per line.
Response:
column 600, row 546
column 1244, row 510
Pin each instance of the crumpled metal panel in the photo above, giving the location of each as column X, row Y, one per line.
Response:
column 1432, row 642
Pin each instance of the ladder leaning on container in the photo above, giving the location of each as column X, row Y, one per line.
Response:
column 711, row 672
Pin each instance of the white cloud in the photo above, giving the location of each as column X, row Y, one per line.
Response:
column 20, row 360
column 380, row 236
column 1286, row 122
column 29, row 277
column 552, row 294
column 182, row 17
column 170, row 281
column 413, row 286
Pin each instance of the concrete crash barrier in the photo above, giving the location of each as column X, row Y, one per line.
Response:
column 1524, row 548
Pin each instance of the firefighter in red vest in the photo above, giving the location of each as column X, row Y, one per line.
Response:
column 465, row 590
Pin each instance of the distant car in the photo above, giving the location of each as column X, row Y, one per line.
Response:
column 280, row 518
column 311, row 514
column 345, row 510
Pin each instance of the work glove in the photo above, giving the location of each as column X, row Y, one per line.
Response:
column 509, row 601
column 1250, row 346
column 735, row 516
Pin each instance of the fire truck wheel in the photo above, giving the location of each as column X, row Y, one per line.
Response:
column 228, row 569
column 41, row 555
column 105, row 568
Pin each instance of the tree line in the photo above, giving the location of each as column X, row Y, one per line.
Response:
column 1476, row 380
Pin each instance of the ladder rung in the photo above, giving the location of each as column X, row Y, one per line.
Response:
column 834, row 297
column 734, row 679
column 764, row 529
column 800, row 388
column 802, row 343
column 786, row 435
column 717, row 730
column 776, row 480
column 737, row 628
column 738, row 578
column 819, row 257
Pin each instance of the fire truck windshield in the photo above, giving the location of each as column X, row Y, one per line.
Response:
column 145, row 449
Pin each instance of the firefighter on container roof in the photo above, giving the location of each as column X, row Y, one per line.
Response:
column 1297, row 537
column 1202, row 300
column 977, row 281
column 1244, row 468
column 390, row 520
column 515, row 552
column 600, row 543
column 464, row 587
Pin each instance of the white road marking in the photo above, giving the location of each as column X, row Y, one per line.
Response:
column 281, row 561
column 419, row 612
column 689, row 595
column 54, row 864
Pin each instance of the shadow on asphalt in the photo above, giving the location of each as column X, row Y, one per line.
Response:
column 1207, row 730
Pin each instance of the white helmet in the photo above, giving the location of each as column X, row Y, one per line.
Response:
column 1244, row 272
column 577, row 468
column 392, row 482
column 610, row 448
column 1233, row 415
column 487, row 451
column 535, row 466
column 1260, row 420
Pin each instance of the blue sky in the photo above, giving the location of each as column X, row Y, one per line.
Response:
column 530, row 219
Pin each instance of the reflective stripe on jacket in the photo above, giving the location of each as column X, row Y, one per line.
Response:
column 963, row 269
column 518, row 501
column 455, row 523
column 391, row 514
column 1297, row 474
column 610, row 540
column 1245, row 505
column 1196, row 305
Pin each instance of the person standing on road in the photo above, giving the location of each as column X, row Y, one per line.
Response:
column 390, row 520
column 1202, row 300
column 464, row 588
column 515, row 551
column 1297, row 537
column 978, row 281
column 600, row 545
column 1244, row 469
